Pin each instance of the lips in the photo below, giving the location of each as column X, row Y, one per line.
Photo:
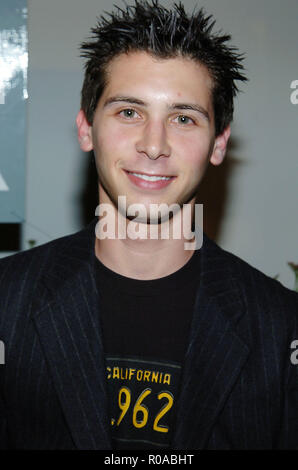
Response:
column 149, row 181
column 149, row 175
column 145, row 177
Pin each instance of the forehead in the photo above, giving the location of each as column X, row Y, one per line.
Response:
column 142, row 73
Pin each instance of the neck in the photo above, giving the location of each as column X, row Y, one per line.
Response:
column 143, row 251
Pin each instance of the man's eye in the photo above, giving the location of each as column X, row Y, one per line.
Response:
column 128, row 113
column 184, row 120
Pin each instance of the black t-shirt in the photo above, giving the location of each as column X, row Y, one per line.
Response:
column 145, row 326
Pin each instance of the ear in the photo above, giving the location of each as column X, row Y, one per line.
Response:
column 220, row 147
column 84, row 132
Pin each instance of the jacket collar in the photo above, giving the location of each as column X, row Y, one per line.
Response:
column 67, row 316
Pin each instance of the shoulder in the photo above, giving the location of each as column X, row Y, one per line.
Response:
column 24, row 277
column 32, row 263
column 261, row 295
column 253, row 279
column 246, row 274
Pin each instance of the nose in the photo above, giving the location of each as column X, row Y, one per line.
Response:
column 153, row 141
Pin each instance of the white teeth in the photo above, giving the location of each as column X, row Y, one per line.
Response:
column 151, row 178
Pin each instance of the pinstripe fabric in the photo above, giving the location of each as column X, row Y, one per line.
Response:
column 239, row 389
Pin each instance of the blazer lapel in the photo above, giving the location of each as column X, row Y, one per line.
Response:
column 216, row 352
column 67, row 316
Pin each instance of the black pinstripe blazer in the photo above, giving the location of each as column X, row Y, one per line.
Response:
column 239, row 387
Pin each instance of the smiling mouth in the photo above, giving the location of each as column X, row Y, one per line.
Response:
column 152, row 178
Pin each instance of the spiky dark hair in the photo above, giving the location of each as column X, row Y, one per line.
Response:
column 149, row 26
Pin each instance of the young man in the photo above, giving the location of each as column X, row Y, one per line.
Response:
column 117, row 339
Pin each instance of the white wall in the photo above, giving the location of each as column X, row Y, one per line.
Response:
column 260, row 210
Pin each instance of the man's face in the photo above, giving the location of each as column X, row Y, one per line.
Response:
column 154, row 118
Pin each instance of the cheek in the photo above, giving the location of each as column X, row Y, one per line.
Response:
column 111, row 141
column 195, row 153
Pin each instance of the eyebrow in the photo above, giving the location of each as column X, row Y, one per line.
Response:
column 173, row 106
